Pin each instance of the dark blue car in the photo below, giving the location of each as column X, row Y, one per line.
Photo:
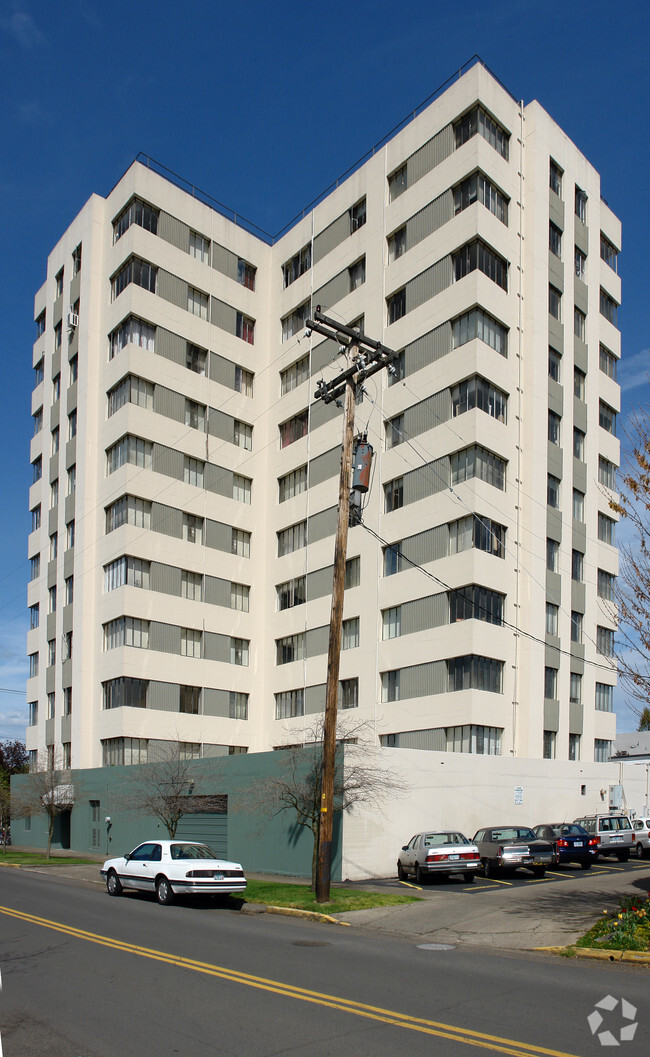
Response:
column 572, row 843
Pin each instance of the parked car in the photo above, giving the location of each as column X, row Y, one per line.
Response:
column 170, row 868
column 614, row 833
column 439, row 853
column 507, row 847
column 641, row 836
column 571, row 842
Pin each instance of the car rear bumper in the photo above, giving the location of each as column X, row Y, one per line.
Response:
column 457, row 866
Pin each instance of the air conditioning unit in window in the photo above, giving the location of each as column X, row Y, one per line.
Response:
column 73, row 319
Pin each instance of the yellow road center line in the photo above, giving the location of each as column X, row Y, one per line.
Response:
column 361, row 1009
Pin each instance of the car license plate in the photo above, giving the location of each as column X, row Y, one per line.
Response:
column 539, row 862
column 616, row 840
column 218, row 876
column 578, row 844
column 454, row 857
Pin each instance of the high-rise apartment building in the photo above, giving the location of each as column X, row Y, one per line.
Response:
column 185, row 479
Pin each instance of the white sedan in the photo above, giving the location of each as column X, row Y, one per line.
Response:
column 173, row 867
column 438, row 853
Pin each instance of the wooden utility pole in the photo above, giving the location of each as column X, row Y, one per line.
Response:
column 367, row 356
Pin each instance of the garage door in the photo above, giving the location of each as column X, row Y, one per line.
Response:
column 210, row 829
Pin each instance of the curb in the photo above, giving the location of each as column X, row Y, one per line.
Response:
column 308, row 915
column 602, row 955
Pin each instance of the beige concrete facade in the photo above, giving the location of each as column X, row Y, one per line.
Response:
column 207, row 466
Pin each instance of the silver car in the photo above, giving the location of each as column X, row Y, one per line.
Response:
column 439, row 853
column 641, row 836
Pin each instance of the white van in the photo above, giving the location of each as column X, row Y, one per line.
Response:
column 614, row 832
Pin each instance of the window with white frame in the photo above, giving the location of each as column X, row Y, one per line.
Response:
column 290, row 703
column 191, row 585
column 551, row 618
column 190, row 642
column 350, row 633
column 240, row 597
column 240, row 543
column 237, row 705
column 242, row 435
column 133, row 331
column 197, row 302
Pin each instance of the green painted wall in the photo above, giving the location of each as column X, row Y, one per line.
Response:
column 261, row 843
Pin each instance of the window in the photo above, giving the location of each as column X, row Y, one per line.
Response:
column 608, row 362
column 478, row 255
column 553, row 485
column 58, row 336
column 294, row 428
column 192, row 528
column 243, row 381
column 608, row 252
column 479, row 532
column 349, row 693
column 393, row 561
column 54, row 440
column 131, row 571
column 237, row 705
column 580, row 264
column 190, row 642
column 291, row 648
column 555, row 178
column 240, row 597
column 607, row 473
column 477, row 120
column 289, row 703
column 292, row 538
column 607, row 417
column 39, row 372
column 606, row 585
column 358, row 215
column 193, row 471
column 291, row 593
column 292, row 484
column 133, row 331
column 241, row 543
column 397, row 244
column 606, row 529
column 294, row 375
column 56, row 388
column 73, row 368
column 40, row 329
column 579, row 383
column 350, row 634
column 475, row 673
column 136, row 271
column 296, row 320
column 195, row 415
column 602, row 750
column 190, row 701
column 242, row 435
column 69, row 590
column 51, row 705
column 352, row 573
column 67, row 646
column 608, row 307
column 196, row 359
column 197, row 302
column 554, row 302
column 576, row 626
column 479, row 324
column 551, row 619
column 126, row 631
column 191, row 585
column 131, row 390
column 390, row 686
column 554, row 427
column 245, row 328
column 51, row 598
column 123, row 751
column 578, row 444
column 550, row 684
column 578, row 505
column 137, row 212
column 33, row 665
column 357, row 274
column 241, row 488
column 554, row 239
column 199, row 247
column 38, row 423
column 296, row 266
column 550, row 739
column 391, row 621
column 579, row 323
column 394, row 431
column 574, row 747
column 72, row 424
column 604, row 697
column 552, row 556
column 577, row 566
column 396, row 305
column 397, row 183
column 477, row 392
column 394, row 494
column 70, row 534
column 478, row 462
column 475, row 603
column 54, row 545
column 36, row 518
column 581, row 205
column 477, row 188
column 33, row 616
column 54, row 493
column 32, row 713
column 37, row 469
column 34, row 567
column 67, row 701
column 133, row 451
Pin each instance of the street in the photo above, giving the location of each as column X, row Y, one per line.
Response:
column 84, row 975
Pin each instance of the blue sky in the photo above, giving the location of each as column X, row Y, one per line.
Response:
column 262, row 106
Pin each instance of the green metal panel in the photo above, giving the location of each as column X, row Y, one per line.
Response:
column 173, row 231
column 555, row 271
column 218, row 479
column 556, row 334
column 423, row 613
column 217, row 591
column 429, row 219
column 165, row 638
column 554, row 459
column 224, row 260
column 320, row 413
column 333, row 291
column 322, row 524
column 553, row 587
column 171, row 288
column 166, row 519
column 223, row 316
column 218, row 536
column 555, row 397
column 319, row 582
column 167, row 461
column 216, row 647
column 216, row 702
column 332, row 236
column 168, row 403
column 314, row 699
column 428, row 348
column 325, row 466
column 580, row 414
column 430, row 154
column 423, row 680
column 580, row 354
column 323, row 354
column 434, row 739
column 551, row 714
column 554, row 524
column 556, row 209
column 425, row 546
column 220, row 425
column 581, row 235
column 165, row 578
column 576, row 716
column 580, row 295
column 318, row 640
column 580, row 475
column 164, row 697
column 222, row 370
column 428, row 283
column 170, row 346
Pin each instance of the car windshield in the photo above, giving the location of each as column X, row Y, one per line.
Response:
column 566, row 830
column 435, row 840
column 192, row 851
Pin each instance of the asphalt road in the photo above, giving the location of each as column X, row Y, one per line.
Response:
column 84, row 975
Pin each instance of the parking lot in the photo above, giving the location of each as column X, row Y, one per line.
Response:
column 518, row 879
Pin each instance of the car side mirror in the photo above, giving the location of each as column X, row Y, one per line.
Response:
column 405, row 847
column 127, row 856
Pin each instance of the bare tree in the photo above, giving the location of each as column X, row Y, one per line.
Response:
column 45, row 791
column 13, row 760
column 296, row 788
column 164, row 788
column 633, row 593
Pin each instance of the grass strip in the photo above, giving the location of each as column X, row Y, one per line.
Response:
column 28, row 858
column 301, row 897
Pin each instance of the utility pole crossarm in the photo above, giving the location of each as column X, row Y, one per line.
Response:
column 372, row 355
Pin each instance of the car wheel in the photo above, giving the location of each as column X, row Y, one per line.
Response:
column 640, row 851
column 586, row 864
column 539, row 871
column 401, row 872
column 489, row 868
column 623, row 856
column 164, row 892
column 113, row 884
column 469, row 877
column 420, row 878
